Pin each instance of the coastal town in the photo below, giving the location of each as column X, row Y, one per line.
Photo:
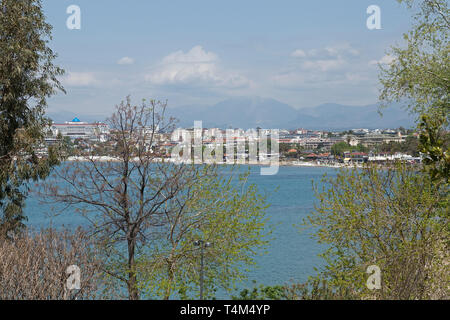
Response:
column 294, row 147
column 224, row 159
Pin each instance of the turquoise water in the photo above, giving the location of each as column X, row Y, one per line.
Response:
column 291, row 255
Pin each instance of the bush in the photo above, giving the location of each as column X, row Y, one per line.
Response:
column 394, row 218
column 33, row 266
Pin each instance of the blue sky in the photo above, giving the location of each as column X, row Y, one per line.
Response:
column 303, row 53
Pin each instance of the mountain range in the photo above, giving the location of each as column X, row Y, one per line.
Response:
column 253, row 112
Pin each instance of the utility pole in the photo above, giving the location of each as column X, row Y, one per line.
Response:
column 202, row 245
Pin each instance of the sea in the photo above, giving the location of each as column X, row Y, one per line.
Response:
column 292, row 254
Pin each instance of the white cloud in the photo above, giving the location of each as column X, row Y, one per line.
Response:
column 325, row 59
column 323, row 65
column 329, row 52
column 295, row 80
column 125, row 60
column 341, row 50
column 196, row 55
column 299, row 53
column 334, row 66
column 354, row 77
column 79, row 79
column 386, row 59
column 195, row 67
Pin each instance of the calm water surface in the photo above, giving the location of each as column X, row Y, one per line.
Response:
column 291, row 255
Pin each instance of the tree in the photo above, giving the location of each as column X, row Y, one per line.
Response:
column 34, row 266
column 396, row 219
column 419, row 75
column 27, row 78
column 434, row 146
column 129, row 191
column 420, row 71
column 145, row 213
column 221, row 210
column 262, row 292
column 339, row 148
column 411, row 145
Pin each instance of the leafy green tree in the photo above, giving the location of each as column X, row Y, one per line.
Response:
column 221, row 209
column 420, row 71
column 433, row 145
column 316, row 289
column 339, row 148
column 396, row 219
column 411, row 145
column 262, row 293
column 285, row 147
column 392, row 146
column 419, row 75
column 27, row 78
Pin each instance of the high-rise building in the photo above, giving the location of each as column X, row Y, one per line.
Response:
column 76, row 129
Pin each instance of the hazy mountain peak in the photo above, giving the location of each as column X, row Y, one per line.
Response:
column 254, row 111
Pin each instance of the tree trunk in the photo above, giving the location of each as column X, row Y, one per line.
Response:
column 170, row 276
column 133, row 293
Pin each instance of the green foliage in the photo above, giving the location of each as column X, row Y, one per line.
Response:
column 285, row 147
column 410, row 146
column 420, row 75
column 420, row 71
column 221, row 209
column 313, row 289
column 339, row 148
column 317, row 289
column 262, row 293
column 27, row 79
column 394, row 218
column 432, row 144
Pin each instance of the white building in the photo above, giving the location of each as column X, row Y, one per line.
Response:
column 76, row 129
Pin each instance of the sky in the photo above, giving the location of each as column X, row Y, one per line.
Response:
column 198, row 52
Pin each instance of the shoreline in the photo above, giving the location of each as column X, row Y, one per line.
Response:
column 249, row 163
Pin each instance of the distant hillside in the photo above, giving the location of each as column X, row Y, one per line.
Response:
column 253, row 112
column 237, row 113
column 269, row 113
column 335, row 116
